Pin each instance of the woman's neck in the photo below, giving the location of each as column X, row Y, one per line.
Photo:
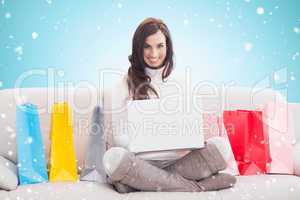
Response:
column 155, row 73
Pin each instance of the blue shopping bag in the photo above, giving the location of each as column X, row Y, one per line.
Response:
column 31, row 156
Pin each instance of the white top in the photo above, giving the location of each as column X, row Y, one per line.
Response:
column 120, row 96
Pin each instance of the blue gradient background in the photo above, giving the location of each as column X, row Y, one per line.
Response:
column 76, row 39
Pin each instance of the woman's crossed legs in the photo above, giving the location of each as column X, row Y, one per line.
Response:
column 195, row 172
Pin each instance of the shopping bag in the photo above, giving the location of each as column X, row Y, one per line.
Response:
column 280, row 135
column 30, row 150
column 62, row 153
column 236, row 125
column 93, row 168
column 249, row 140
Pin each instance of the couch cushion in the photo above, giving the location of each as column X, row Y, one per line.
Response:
column 81, row 190
column 247, row 187
column 4, row 194
column 172, row 196
column 264, row 187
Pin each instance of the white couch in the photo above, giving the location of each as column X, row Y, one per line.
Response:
column 83, row 101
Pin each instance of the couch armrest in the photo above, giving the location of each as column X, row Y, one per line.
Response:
column 296, row 154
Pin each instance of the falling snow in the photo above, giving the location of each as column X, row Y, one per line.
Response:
column 295, row 55
column 248, row 46
column 292, row 78
column 29, row 140
column 10, row 153
column 245, row 45
column 119, row 5
column 260, row 11
column 296, row 30
column 34, row 35
column 19, row 50
column 7, row 15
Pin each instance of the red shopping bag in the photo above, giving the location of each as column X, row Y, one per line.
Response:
column 249, row 140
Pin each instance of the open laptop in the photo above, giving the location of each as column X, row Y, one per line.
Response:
column 156, row 125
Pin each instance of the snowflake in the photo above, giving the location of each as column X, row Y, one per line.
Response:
column 296, row 30
column 19, row 50
column 212, row 20
column 247, row 1
column 1, row 84
column 3, row 116
column 248, row 46
column 295, row 56
column 7, row 15
column 29, row 140
column 34, row 35
column 10, row 153
column 119, row 5
column 260, row 10
column 49, row 1
column 292, row 78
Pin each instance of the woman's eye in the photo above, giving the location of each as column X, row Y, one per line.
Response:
column 146, row 46
column 161, row 46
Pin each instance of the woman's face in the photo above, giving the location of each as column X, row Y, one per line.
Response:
column 155, row 49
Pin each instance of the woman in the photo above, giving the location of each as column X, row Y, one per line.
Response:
column 175, row 170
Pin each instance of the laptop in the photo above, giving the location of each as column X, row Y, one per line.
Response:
column 158, row 125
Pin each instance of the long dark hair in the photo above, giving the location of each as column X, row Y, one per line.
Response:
column 137, row 80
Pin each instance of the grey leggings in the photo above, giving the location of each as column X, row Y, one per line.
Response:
column 195, row 172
